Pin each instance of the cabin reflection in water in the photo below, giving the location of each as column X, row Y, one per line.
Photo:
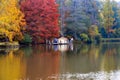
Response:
column 62, row 48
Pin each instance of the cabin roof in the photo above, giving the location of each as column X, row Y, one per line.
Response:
column 64, row 38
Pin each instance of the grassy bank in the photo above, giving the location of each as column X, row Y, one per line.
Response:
column 110, row 40
column 102, row 40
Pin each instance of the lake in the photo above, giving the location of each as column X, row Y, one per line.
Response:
column 63, row 62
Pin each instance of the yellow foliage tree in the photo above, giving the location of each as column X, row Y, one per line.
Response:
column 93, row 30
column 94, row 33
column 108, row 14
column 11, row 19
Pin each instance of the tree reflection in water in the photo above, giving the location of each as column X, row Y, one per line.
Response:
column 12, row 65
column 43, row 62
column 61, row 62
column 95, row 59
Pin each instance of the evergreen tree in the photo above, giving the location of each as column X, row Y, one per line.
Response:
column 91, row 9
column 77, row 21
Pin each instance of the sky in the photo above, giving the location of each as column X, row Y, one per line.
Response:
column 117, row 0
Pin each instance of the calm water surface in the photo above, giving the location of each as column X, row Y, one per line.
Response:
column 73, row 62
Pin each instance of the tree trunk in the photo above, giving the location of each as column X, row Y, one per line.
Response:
column 75, row 35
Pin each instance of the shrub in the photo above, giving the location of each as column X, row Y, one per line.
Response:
column 27, row 39
column 98, row 38
column 84, row 37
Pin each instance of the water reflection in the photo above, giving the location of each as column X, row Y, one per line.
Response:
column 61, row 62
column 102, row 75
column 62, row 48
column 43, row 62
column 12, row 65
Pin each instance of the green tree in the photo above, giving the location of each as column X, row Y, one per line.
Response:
column 27, row 39
column 84, row 37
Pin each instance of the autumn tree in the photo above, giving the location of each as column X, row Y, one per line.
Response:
column 108, row 15
column 41, row 18
column 11, row 20
column 115, row 7
column 94, row 33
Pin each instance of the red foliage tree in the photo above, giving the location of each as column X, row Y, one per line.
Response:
column 41, row 18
